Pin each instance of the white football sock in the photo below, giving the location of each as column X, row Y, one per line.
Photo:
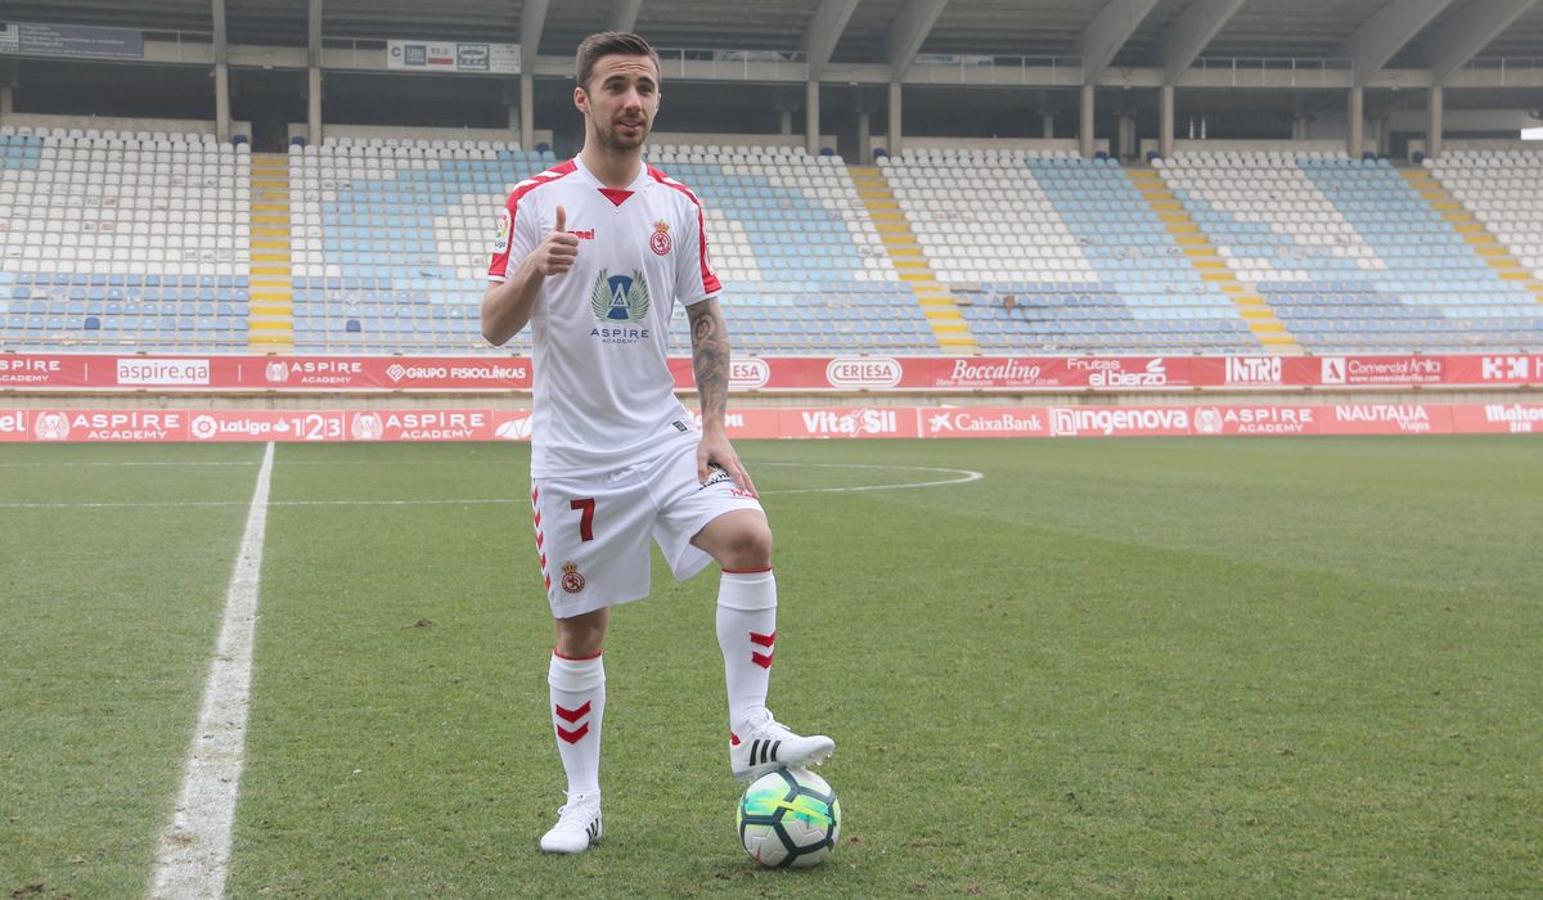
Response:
column 747, row 634
column 578, row 702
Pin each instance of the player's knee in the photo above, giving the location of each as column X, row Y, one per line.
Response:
column 749, row 547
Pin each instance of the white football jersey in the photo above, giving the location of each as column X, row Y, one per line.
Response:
column 603, row 392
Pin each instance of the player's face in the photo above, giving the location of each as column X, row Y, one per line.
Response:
column 620, row 100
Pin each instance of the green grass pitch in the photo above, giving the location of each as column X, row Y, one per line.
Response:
column 1121, row 667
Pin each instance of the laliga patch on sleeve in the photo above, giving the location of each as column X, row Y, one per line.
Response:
column 505, row 223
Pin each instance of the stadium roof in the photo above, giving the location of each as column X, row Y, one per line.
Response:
column 1402, row 33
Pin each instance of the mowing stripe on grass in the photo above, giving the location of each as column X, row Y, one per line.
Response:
column 960, row 476
column 193, row 856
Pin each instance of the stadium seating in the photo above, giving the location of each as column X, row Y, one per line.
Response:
column 803, row 265
column 390, row 244
column 118, row 239
column 1502, row 189
column 389, row 241
column 1348, row 255
column 1057, row 253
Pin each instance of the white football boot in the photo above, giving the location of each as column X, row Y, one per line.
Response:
column 766, row 745
column 577, row 828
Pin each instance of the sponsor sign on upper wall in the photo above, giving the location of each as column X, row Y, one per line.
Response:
column 453, row 56
column 74, row 41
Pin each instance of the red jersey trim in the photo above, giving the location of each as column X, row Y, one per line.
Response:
column 498, row 269
column 710, row 283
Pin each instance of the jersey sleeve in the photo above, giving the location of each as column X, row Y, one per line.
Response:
column 517, row 236
column 694, row 277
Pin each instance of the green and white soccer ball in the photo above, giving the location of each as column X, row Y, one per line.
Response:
column 789, row 818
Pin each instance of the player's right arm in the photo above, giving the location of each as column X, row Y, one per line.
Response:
column 507, row 304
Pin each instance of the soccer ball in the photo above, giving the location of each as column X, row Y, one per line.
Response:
column 789, row 818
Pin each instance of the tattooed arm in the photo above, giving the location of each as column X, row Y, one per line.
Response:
column 710, row 362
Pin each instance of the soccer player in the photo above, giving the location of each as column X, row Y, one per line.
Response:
column 593, row 254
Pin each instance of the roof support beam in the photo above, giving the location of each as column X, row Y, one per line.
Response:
column 1379, row 38
column 624, row 14
column 909, row 32
column 532, row 21
column 221, row 73
column 1192, row 32
column 1470, row 31
column 313, row 33
column 824, row 32
column 1101, row 41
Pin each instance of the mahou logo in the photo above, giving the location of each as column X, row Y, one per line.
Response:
column 749, row 374
column 863, row 372
column 52, row 426
column 367, row 427
column 277, row 372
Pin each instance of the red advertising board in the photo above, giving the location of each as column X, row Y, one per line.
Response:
column 472, row 424
column 843, row 374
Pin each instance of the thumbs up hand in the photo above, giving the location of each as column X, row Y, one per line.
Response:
column 555, row 254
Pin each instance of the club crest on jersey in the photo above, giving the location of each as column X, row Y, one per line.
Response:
column 659, row 242
column 618, row 303
column 573, row 582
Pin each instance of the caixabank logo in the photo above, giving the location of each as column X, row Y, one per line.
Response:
column 620, row 304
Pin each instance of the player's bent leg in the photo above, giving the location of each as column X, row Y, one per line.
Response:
column 576, row 678
column 738, row 539
column 741, row 542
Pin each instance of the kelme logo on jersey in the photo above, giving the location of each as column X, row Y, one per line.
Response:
column 619, row 302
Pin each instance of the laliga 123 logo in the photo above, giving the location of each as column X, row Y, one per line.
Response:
column 277, row 372
column 52, row 426
column 204, row 427
column 367, row 427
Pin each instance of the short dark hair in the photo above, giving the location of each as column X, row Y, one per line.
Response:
column 605, row 43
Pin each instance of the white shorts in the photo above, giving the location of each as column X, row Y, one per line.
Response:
column 592, row 534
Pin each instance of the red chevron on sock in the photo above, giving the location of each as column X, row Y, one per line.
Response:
column 571, row 715
column 764, row 660
column 573, row 737
column 764, row 640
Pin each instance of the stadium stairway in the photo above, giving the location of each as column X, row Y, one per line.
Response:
column 272, row 315
column 937, row 304
column 1255, row 310
column 1474, row 232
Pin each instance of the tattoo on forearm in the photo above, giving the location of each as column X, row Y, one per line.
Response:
column 710, row 360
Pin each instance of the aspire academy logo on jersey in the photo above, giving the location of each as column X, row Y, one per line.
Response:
column 619, row 301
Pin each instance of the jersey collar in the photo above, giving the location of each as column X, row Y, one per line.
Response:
column 637, row 184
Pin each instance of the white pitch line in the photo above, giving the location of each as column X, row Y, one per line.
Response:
column 965, row 476
column 192, row 858
column 68, row 464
